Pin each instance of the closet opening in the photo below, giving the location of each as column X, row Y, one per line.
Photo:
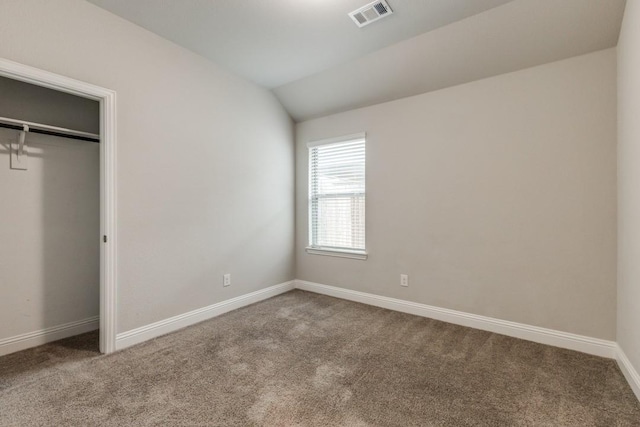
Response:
column 57, row 186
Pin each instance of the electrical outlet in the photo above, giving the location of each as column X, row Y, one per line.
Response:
column 404, row 280
column 226, row 280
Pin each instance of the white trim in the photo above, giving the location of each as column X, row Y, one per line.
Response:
column 337, row 253
column 108, row 184
column 629, row 372
column 108, row 224
column 337, row 139
column 163, row 327
column 552, row 337
column 43, row 336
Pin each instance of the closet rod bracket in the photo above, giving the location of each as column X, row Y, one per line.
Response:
column 23, row 135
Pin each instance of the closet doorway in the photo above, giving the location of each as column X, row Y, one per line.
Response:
column 59, row 239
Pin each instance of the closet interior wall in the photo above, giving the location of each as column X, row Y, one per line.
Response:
column 49, row 233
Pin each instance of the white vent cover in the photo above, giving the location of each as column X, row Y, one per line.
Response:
column 370, row 13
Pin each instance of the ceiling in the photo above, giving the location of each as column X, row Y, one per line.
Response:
column 274, row 42
column 318, row 62
column 518, row 35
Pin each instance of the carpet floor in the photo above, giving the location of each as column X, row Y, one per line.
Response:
column 302, row 359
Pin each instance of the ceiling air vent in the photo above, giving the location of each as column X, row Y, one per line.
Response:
column 370, row 13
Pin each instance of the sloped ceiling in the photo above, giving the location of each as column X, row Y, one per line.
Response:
column 274, row 42
column 518, row 35
column 318, row 62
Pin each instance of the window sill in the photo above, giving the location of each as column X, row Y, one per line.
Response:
column 361, row 255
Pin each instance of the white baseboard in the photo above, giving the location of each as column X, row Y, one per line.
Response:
column 153, row 330
column 43, row 336
column 629, row 372
column 552, row 337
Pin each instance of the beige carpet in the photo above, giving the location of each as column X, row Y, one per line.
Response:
column 302, row 359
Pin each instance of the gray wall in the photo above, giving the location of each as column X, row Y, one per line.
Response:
column 629, row 184
column 497, row 197
column 205, row 159
column 49, row 236
column 24, row 101
column 49, row 247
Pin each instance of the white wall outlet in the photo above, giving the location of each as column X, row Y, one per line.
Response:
column 226, row 280
column 404, row 280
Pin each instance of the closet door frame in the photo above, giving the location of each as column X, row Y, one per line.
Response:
column 108, row 211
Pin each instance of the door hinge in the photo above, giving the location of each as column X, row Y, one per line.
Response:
column 104, row 239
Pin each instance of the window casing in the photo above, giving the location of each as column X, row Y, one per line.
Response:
column 337, row 197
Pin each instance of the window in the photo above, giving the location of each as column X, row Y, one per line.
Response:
column 337, row 197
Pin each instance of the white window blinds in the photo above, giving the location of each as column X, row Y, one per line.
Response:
column 337, row 194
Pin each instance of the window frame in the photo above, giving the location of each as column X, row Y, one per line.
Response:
column 330, row 251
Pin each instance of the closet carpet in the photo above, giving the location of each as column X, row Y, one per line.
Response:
column 302, row 359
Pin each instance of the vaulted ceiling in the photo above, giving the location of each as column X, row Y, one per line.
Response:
column 318, row 62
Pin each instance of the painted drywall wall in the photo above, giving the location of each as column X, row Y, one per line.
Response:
column 496, row 197
column 24, row 101
column 204, row 158
column 629, row 184
column 49, row 238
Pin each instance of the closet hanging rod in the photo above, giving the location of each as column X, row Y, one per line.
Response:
column 48, row 130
